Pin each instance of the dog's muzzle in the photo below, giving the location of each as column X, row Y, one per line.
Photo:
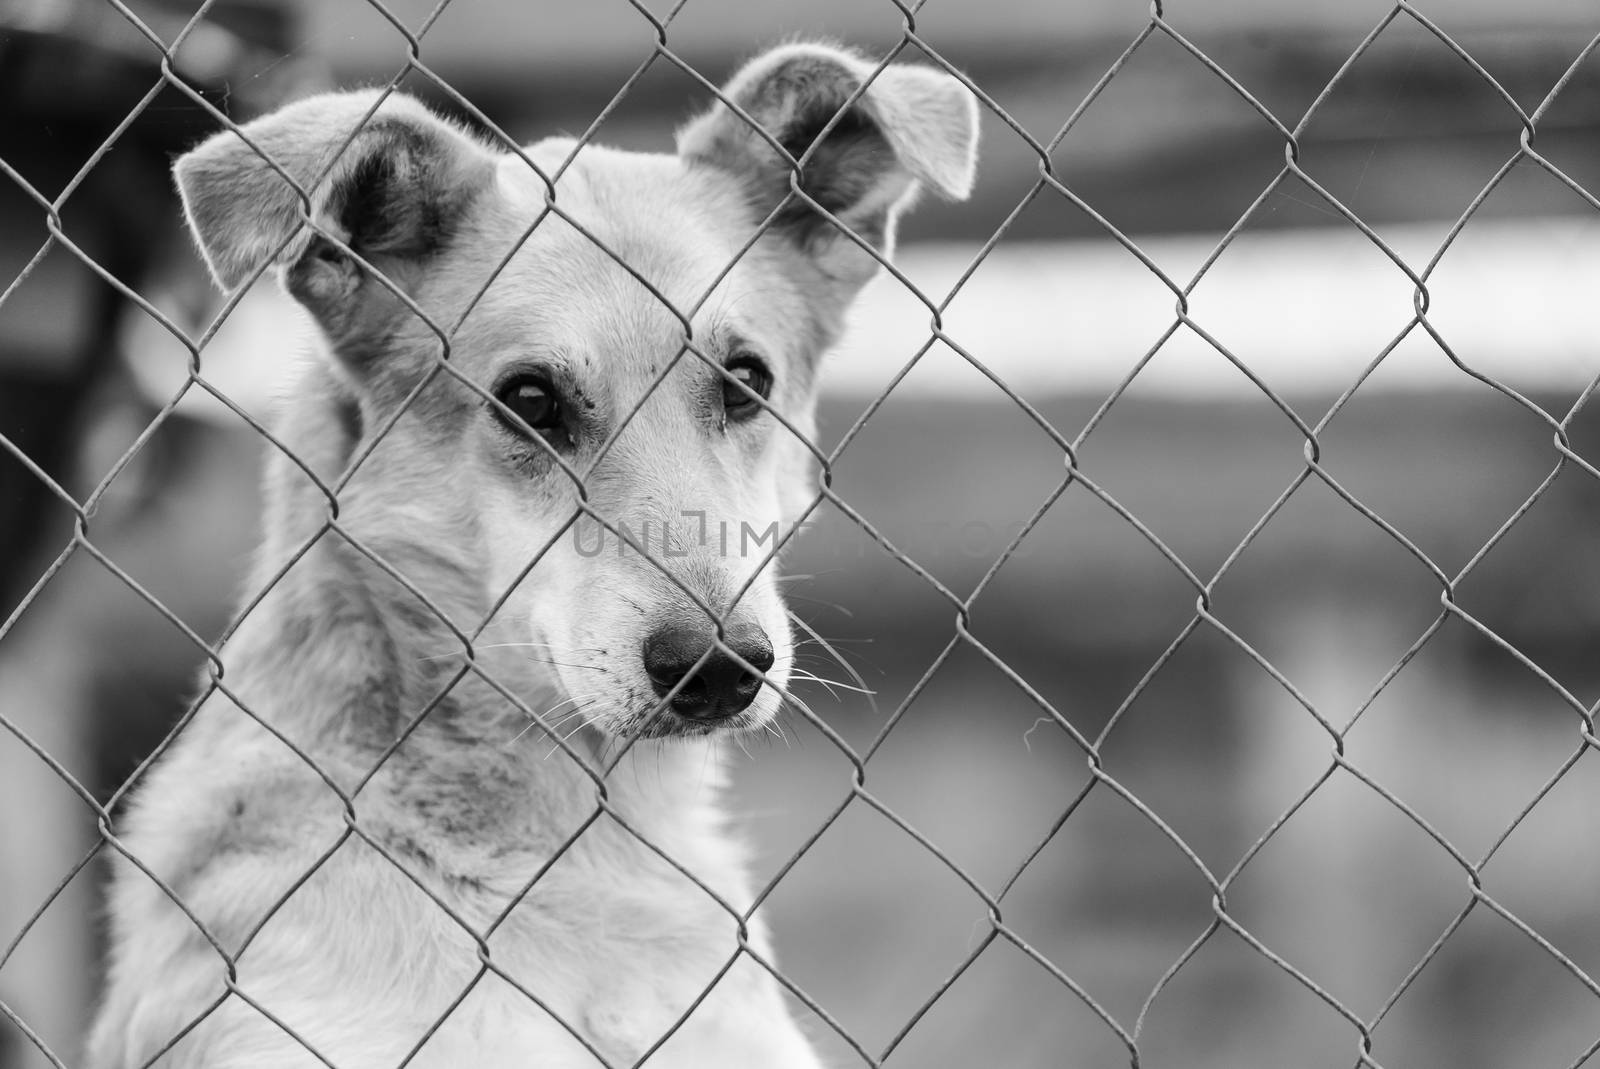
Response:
column 716, row 687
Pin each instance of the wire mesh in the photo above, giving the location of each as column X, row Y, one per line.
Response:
column 991, row 897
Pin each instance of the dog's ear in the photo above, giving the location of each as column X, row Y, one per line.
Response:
column 912, row 127
column 388, row 183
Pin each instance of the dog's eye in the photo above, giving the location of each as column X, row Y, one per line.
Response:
column 532, row 400
column 750, row 373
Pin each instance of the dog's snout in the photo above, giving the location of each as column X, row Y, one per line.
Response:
column 717, row 686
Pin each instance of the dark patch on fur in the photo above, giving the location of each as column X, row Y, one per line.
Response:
column 398, row 206
column 347, row 410
column 407, row 849
column 842, row 170
column 795, row 103
column 395, row 201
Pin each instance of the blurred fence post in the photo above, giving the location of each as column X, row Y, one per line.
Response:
column 45, row 832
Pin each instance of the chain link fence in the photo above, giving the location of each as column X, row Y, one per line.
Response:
column 1119, row 1027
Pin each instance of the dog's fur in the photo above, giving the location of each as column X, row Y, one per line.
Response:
column 330, row 674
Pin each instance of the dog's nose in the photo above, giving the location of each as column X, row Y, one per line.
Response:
column 720, row 686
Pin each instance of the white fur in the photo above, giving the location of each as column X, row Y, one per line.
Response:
column 359, row 862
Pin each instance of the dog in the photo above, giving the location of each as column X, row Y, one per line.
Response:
column 562, row 388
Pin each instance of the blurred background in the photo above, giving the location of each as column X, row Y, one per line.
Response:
column 1449, row 437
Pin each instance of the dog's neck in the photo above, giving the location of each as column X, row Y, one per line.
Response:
column 356, row 656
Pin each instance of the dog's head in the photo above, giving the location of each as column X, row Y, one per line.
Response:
column 597, row 394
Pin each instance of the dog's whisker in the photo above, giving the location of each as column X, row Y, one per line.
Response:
column 714, row 751
column 533, row 722
column 539, row 721
column 805, row 677
column 567, row 738
column 816, row 637
column 575, row 714
column 583, row 722
column 583, row 701
column 554, row 646
column 826, row 604
column 569, row 664
column 479, row 647
column 832, row 686
column 872, row 700
column 810, row 676
column 800, row 705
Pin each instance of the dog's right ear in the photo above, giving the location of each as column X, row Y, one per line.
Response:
column 872, row 138
column 389, row 184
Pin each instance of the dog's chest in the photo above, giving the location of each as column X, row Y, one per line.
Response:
column 596, row 969
column 612, row 1006
column 625, row 970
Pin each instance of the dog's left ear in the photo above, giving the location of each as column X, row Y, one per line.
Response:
column 911, row 127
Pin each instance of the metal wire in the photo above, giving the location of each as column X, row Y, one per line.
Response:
column 992, row 898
